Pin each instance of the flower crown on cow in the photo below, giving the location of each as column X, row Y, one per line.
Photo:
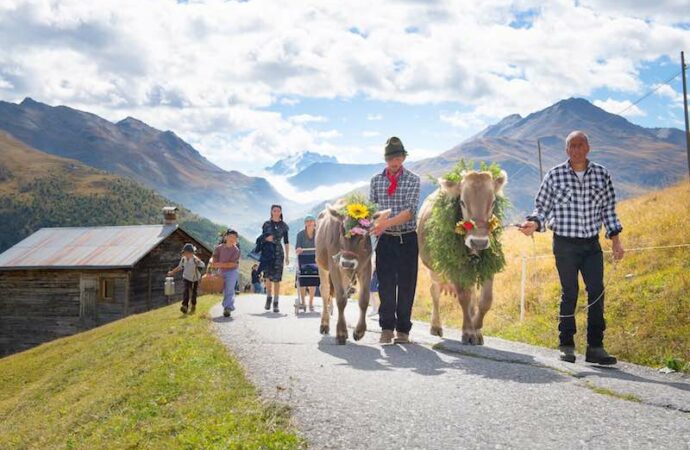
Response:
column 464, row 226
column 358, row 213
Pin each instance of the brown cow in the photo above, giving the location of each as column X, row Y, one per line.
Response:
column 477, row 193
column 341, row 260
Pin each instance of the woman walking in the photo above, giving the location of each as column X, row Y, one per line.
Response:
column 275, row 231
column 305, row 242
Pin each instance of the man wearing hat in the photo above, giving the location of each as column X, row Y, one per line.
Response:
column 397, row 252
column 191, row 267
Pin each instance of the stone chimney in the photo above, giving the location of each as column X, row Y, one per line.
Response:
column 170, row 215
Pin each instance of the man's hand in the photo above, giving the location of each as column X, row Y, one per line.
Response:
column 269, row 238
column 528, row 227
column 618, row 251
column 169, row 273
column 379, row 227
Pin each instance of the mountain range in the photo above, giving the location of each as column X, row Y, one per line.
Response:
column 639, row 158
column 158, row 159
column 294, row 164
column 41, row 190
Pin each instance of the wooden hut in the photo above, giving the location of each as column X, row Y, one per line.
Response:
column 60, row 281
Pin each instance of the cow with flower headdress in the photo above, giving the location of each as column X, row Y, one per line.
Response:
column 343, row 254
column 459, row 242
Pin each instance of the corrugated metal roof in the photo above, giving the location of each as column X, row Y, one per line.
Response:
column 85, row 248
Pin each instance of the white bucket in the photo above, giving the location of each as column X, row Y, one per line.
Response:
column 169, row 286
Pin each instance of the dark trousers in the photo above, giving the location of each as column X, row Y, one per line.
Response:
column 189, row 287
column 580, row 256
column 396, row 268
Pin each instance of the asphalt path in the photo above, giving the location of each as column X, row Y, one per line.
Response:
column 439, row 394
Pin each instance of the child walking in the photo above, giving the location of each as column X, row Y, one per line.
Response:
column 226, row 257
column 191, row 267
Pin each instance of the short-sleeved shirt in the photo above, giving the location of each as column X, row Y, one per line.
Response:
column 225, row 254
column 191, row 268
column 303, row 240
column 406, row 196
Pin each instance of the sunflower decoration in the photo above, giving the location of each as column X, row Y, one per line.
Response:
column 358, row 213
column 464, row 226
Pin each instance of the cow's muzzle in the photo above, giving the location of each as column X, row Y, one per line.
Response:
column 348, row 263
column 477, row 243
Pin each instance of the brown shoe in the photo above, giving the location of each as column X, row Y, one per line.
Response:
column 386, row 337
column 402, row 338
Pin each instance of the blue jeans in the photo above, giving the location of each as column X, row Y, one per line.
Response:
column 258, row 288
column 230, row 278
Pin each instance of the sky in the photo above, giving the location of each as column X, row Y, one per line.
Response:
column 247, row 83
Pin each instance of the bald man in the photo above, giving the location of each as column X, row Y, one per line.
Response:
column 575, row 199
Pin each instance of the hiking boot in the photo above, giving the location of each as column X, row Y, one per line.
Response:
column 597, row 355
column 567, row 353
column 386, row 337
column 193, row 309
column 267, row 306
column 226, row 312
column 184, row 309
column 402, row 338
column 275, row 305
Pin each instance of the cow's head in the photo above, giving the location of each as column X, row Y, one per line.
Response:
column 354, row 250
column 476, row 194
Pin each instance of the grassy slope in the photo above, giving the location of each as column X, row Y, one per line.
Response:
column 41, row 190
column 648, row 313
column 155, row 380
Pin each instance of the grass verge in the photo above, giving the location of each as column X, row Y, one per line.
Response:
column 154, row 380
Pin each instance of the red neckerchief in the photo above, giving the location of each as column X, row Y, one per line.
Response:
column 394, row 181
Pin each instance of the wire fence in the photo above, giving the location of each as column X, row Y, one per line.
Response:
column 524, row 258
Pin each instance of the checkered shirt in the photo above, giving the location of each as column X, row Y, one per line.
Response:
column 577, row 209
column 406, row 196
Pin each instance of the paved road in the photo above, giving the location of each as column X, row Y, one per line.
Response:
column 440, row 394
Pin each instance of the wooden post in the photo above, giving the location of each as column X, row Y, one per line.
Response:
column 685, row 108
column 523, row 283
column 127, row 294
column 541, row 169
column 148, row 295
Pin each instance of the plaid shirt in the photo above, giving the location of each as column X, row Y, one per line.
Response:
column 406, row 196
column 572, row 208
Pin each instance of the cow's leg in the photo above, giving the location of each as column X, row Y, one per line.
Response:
column 361, row 327
column 485, row 300
column 326, row 298
column 436, row 328
column 465, row 300
column 341, row 328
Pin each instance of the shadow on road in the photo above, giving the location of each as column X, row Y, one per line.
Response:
column 269, row 315
column 360, row 357
column 604, row 372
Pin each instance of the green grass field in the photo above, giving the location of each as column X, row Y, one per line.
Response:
column 647, row 300
column 155, row 380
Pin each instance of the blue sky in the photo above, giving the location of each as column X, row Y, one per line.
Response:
column 248, row 83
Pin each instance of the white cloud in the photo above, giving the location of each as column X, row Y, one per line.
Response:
column 306, row 118
column 668, row 92
column 330, row 134
column 212, row 70
column 370, row 134
column 624, row 108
